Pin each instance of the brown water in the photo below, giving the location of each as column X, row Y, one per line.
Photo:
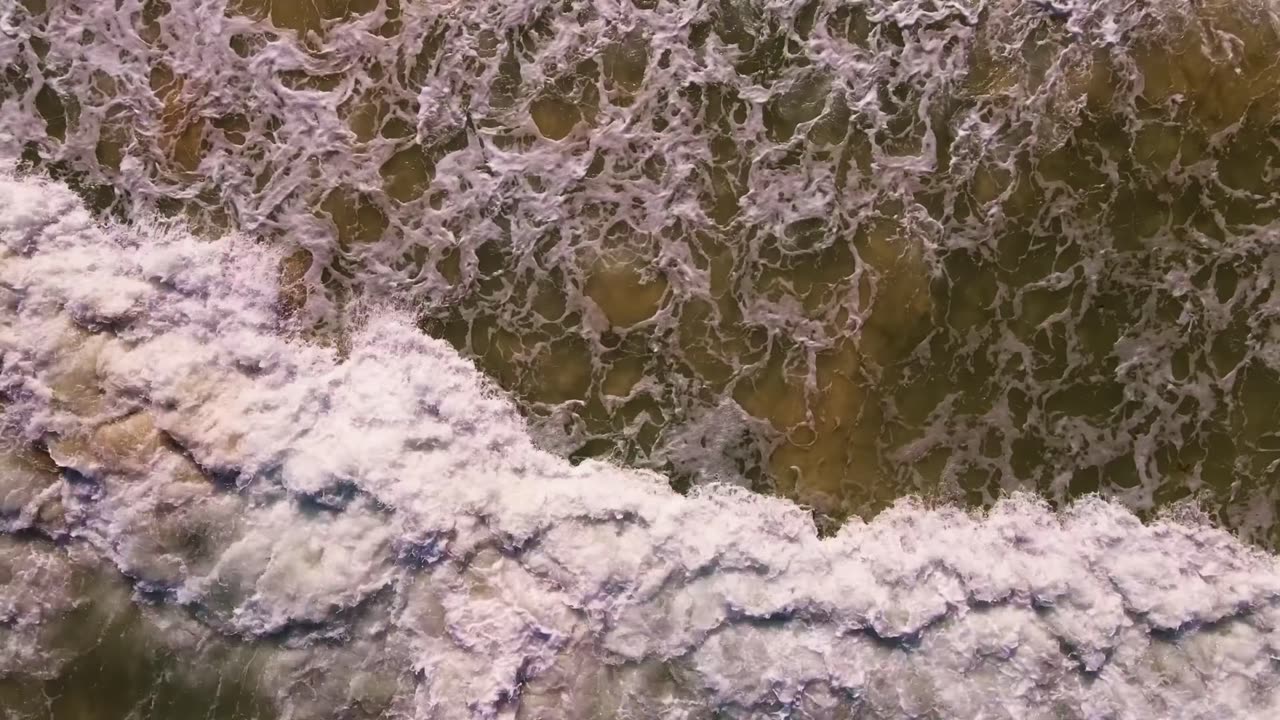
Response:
column 1039, row 263
column 837, row 252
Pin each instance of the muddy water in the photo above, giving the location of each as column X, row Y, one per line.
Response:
column 104, row 657
column 838, row 252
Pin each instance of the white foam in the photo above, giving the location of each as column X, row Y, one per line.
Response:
column 394, row 504
column 923, row 98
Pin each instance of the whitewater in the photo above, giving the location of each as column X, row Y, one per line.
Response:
column 839, row 252
column 533, row 359
column 384, row 533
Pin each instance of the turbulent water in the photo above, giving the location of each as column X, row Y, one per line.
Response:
column 567, row 359
column 378, row 536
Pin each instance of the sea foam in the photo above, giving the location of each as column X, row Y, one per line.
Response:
column 381, row 525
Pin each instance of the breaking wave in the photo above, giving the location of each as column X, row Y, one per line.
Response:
column 376, row 535
column 397, row 359
column 831, row 250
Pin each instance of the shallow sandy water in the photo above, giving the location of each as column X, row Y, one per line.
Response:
column 840, row 253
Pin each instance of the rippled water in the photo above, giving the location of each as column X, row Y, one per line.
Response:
column 838, row 252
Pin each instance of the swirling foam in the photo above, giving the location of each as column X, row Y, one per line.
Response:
column 957, row 247
column 386, row 517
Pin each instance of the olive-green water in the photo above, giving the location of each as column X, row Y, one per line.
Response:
column 1034, row 261
column 841, row 252
column 1051, row 269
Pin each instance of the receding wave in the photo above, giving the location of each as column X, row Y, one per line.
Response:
column 307, row 534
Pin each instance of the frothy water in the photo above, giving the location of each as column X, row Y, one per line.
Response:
column 835, row 251
column 386, row 537
column 320, row 443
